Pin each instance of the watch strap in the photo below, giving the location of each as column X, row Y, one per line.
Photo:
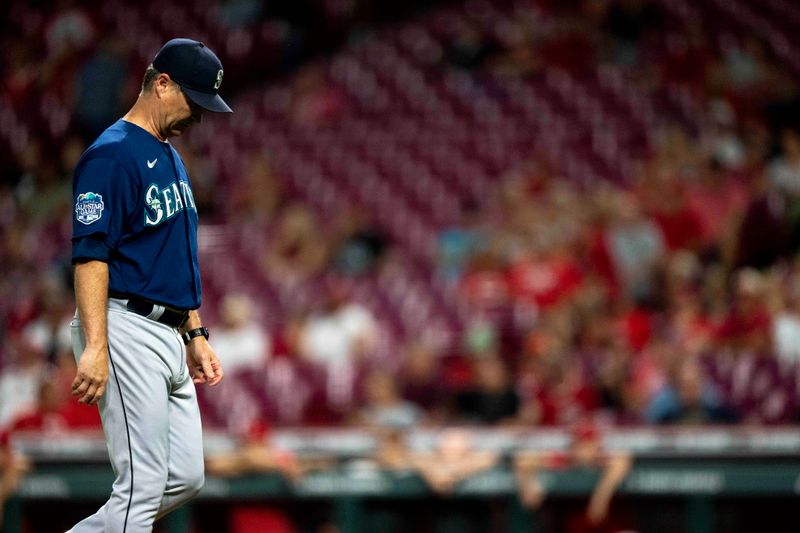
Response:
column 192, row 333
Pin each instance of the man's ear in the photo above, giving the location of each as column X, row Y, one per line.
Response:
column 162, row 84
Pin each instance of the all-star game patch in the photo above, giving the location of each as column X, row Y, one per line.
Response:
column 89, row 207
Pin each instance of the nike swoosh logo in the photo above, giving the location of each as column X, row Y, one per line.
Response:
column 151, row 164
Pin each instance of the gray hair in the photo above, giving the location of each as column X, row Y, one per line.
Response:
column 150, row 76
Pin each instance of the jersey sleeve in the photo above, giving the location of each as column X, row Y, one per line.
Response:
column 102, row 200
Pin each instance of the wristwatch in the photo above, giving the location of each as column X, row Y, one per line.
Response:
column 192, row 333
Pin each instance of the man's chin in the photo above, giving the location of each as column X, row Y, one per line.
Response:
column 179, row 129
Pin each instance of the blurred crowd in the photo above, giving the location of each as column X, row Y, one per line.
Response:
column 672, row 298
column 669, row 298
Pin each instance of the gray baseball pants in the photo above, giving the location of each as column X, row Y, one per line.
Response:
column 151, row 423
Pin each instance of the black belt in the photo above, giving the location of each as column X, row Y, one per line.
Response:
column 160, row 313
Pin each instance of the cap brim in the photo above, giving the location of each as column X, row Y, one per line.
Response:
column 210, row 102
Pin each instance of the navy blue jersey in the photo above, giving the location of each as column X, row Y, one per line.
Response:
column 134, row 210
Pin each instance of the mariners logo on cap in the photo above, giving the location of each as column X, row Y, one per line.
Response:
column 219, row 80
column 89, row 207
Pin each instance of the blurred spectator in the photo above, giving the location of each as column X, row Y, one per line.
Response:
column 748, row 322
column 725, row 145
column 689, row 398
column 243, row 518
column 239, row 340
column 20, row 380
column 49, row 333
column 718, row 199
column 471, row 46
column 519, row 57
column 18, row 79
column 297, row 251
column 634, row 246
column 553, row 385
column 31, row 163
column 261, row 195
column 70, row 29
column 98, row 87
column 54, row 413
column 762, row 236
column 392, row 452
column 689, row 57
column 624, row 382
column 452, row 461
column 628, row 22
column 384, row 406
column 13, row 468
column 421, row 377
column 691, row 326
column 43, row 190
column 665, row 200
column 360, row 245
column 341, row 332
column 393, row 456
column 457, row 243
column 338, row 339
column 545, row 279
column 783, row 173
column 71, row 151
column 747, row 66
column 586, row 452
column 288, row 336
column 315, row 102
column 784, row 170
column 204, row 184
column 492, row 397
column 484, row 285
column 786, row 320
column 256, row 455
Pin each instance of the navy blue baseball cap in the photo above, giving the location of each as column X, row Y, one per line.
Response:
column 198, row 71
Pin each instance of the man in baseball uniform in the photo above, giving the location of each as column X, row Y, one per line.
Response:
column 137, row 333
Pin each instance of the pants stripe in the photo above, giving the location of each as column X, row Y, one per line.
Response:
column 128, row 432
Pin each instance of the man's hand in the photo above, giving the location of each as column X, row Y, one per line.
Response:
column 204, row 367
column 91, row 295
column 90, row 381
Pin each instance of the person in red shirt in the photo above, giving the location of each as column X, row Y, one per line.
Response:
column 748, row 324
column 718, row 198
column 256, row 454
column 586, row 451
column 544, row 279
column 53, row 413
column 665, row 200
column 552, row 384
